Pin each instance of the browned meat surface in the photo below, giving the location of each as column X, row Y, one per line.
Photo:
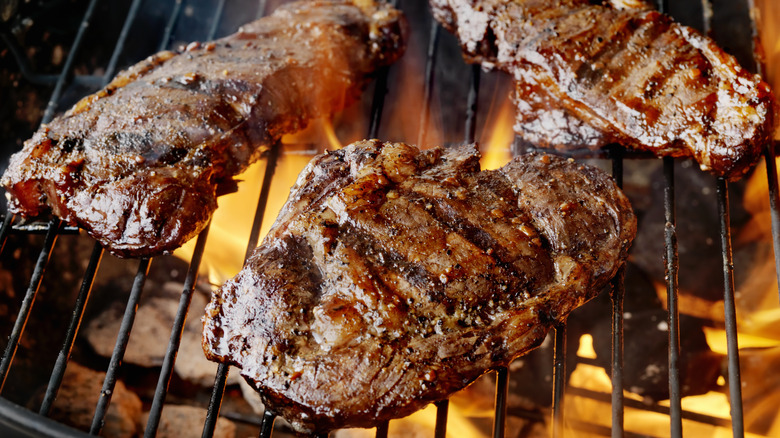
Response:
column 587, row 75
column 394, row 277
column 138, row 163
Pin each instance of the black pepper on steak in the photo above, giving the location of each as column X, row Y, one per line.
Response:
column 394, row 277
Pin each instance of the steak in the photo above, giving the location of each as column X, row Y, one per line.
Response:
column 394, row 277
column 140, row 163
column 589, row 75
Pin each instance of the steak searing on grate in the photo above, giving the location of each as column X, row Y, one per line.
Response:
column 393, row 277
column 138, row 164
column 588, row 75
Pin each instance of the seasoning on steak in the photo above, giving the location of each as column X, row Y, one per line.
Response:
column 588, row 75
column 138, row 164
column 394, row 277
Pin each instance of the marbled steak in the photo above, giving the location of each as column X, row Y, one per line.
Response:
column 140, row 163
column 394, row 277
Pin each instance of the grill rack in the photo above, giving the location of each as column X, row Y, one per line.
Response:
column 15, row 418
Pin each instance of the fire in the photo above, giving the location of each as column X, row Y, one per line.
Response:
column 500, row 137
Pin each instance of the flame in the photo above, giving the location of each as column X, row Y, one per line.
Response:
column 500, row 137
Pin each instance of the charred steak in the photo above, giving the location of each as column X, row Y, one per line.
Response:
column 138, row 164
column 587, row 75
column 394, row 277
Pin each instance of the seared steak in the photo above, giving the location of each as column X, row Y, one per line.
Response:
column 138, row 163
column 394, row 277
column 587, row 75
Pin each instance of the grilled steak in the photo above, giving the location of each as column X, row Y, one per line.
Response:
column 394, row 277
column 588, row 75
column 138, row 164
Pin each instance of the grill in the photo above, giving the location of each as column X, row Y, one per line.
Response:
column 453, row 95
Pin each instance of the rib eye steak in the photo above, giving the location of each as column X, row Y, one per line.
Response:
column 139, row 163
column 588, row 75
column 394, row 277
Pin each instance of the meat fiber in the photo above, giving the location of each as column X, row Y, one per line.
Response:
column 394, row 277
column 139, row 164
column 589, row 75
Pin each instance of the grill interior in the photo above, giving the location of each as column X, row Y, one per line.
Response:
column 457, row 105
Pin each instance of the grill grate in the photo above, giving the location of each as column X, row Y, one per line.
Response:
column 16, row 418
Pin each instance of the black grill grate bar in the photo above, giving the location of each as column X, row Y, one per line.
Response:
column 261, row 7
column 442, row 410
column 616, row 297
column 122, row 339
column 215, row 403
column 381, row 431
column 155, row 412
column 430, row 77
column 6, row 228
column 58, row 371
column 770, row 150
column 671, row 267
column 120, row 44
column 735, row 382
column 68, row 66
column 502, row 390
column 217, row 18
column 27, row 301
column 473, row 103
column 774, row 202
column 267, row 424
column 172, row 20
column 559, row 379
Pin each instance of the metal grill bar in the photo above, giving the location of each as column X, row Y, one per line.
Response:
column 155, row 412
column 6, row 228
column 381, row 431
column 267, row 424
column 442, row 410
column 770, row 151
column 430, row 76
column 502, row 386
column 27, row 302
column 172, row 20
column 735, row 381
column 122, row 340
column 78, row 313
column 120, row 44
column 672, row 264
column 215, row 403
column 616, row 297
column 473, row 103
column 68, row 66
column 559, row 378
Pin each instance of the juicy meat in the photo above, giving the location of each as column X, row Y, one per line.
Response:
column 588, row 75
column 138, row 164
column 394, row 277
